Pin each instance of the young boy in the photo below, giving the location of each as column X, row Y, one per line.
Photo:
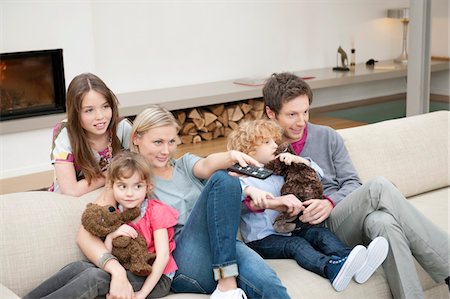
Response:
column 363, row 211
column 314, row 248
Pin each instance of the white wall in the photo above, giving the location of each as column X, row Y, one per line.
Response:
column 154, row 44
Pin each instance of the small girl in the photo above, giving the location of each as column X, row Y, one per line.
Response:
column 129, row 179
column 85, row 142
column 314, row 248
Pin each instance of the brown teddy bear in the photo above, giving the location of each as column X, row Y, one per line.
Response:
column 131, row 253
column 299, row 180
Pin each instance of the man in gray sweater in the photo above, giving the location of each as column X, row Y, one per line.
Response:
column 358, row 212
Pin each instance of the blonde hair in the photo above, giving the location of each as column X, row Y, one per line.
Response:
column 252, row 133
column 125, row 164
column 154, row 116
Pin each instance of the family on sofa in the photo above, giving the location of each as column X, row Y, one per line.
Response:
column 207, row 202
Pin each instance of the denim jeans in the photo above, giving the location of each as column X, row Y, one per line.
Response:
column 311, row 247
column 83, row 279
column 207, row 244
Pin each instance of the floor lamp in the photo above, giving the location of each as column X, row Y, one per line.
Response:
column 403, row 14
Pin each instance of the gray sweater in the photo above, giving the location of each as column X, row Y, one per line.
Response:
column 326, row 147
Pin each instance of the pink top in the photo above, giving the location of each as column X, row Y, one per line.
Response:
column 157, row 216
column 298, row 145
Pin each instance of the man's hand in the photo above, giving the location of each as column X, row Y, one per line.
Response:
column 316, row 211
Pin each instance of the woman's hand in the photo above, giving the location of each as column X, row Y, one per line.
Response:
column 242, row 159
column 120, row 287
column 289, row 158
column 316, row 211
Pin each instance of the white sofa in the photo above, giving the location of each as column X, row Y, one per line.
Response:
column 38, row 229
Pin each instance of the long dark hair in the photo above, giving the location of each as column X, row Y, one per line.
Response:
column 82, row 152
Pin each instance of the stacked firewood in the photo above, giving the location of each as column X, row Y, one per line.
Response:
column 211, row 122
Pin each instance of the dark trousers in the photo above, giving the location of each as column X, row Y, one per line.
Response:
column 311, row 247
column 82, row 279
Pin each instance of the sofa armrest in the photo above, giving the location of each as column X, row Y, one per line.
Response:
column 7, row 293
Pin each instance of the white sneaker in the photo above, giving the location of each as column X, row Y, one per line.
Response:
column 232, row 294
column 376, row 254
column 352, row 264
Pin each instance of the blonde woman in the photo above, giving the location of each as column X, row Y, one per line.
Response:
column 209, row 258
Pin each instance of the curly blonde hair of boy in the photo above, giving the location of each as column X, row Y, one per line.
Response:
column 125, row 164
column 253, row 133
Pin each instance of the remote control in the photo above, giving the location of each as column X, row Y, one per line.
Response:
column 250, row 170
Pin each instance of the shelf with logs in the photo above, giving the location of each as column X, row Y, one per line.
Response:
column 214, row 121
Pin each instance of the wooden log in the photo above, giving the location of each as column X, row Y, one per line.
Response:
column 249, row 116
column 199, row 122
column 181, row 116
column 257, row 104
column 217, row 109
column 237, row 114
column 227, row 132
column 233, row 125
column 223, row 118
column 194, row 114
column 197, row 139
column 187, row 127
column 245, row 107
column 218, row 132
column 209, row 117
column 186, row 139
column 257, row 114
column 212, row 126
column 207, row 135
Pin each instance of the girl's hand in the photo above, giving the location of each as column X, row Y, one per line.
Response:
column 289, row 158
column 124, row 230
column 259, row 197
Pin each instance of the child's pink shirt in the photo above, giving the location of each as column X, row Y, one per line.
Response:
column 157, row 216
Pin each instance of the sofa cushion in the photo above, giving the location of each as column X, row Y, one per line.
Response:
column 435, row 205
column 37, row 236
column 412, row 152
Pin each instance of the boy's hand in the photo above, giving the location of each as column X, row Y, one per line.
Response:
column 289, row 158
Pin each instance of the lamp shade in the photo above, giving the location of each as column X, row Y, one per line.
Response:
column 398, row 13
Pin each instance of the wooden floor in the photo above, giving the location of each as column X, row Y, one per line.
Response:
column 43, row 179
column 220, row 144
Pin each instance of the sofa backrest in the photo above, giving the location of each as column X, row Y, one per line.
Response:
column 38, row 236
column 412, row 152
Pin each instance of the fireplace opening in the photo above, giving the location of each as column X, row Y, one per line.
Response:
column 31, row 84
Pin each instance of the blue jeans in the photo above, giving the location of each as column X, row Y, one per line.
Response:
column 310, row 247
column 207, row 246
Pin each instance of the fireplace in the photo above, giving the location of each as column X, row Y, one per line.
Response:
column 31, row 84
